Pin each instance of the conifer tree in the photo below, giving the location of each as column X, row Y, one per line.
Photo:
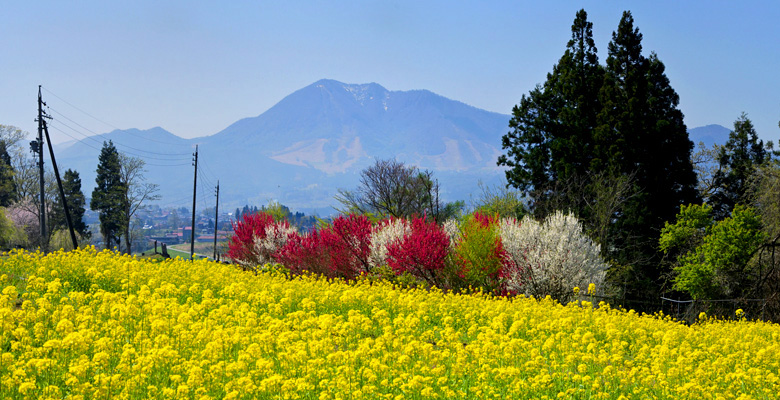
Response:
column 737, row 162
column 71, row 185
column 620, row 122
column 108, row 195
column 648, row 138
column 8, row 193
column 551, row 136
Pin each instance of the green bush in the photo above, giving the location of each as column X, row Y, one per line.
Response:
column 721, row 266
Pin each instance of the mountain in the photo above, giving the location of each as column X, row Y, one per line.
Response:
column 311, row 143
column 316, row 141
column 333, row 127
column 709, row 135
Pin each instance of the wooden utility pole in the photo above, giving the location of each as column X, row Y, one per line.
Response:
column 216, row 222
column 194, row 194
column 37, row 147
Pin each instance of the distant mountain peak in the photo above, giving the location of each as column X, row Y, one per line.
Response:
column 362, row 93
column 318, row 139
column 366, row 92
column 709, row 135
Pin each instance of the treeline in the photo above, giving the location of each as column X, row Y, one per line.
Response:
column 301, row 221
column 121, row 190
column 607, row 143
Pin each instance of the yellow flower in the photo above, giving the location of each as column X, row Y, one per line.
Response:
column 178, row 329
column 591, row 289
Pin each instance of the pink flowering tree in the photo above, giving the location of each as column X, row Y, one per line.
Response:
column 256, row 239
column 423, row 252
column 340, row 250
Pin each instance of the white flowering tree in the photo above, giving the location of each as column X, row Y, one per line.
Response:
column 276, row 235
column 389, row 231
column 552, row 257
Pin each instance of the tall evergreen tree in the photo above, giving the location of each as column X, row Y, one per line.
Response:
column 108, row 195
column 737, row 161
column 649, row 139
column 620, row 123
column 8, row 192
column 71, row 185
column 576, row 81
column 551, row 136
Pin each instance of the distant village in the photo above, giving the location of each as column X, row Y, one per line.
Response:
column 173, row 226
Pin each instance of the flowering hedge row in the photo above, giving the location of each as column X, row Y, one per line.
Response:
column 481, row 251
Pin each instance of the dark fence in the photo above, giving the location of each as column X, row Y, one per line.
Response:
column 688, row 310
column 752, row 309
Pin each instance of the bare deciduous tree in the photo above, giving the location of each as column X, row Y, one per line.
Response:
column 138, row 191
column 391, row 189
column 705, row 164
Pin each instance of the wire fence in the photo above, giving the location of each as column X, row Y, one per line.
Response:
column 752, row 309
column 688, row 311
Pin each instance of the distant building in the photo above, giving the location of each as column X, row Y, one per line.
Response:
column 171, row 238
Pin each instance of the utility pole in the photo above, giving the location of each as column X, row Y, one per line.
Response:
column 62, row 191
column 194, row 193
column 216, row 222
column 37, row 147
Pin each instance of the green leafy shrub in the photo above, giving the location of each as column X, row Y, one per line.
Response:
column 480, row 254
column 720, row 266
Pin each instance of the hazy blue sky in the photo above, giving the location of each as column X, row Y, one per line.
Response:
column 195, row 67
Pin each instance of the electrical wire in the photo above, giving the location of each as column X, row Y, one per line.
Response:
column 99, row 120
column 213, row 175
column 202, row 176
column 178, row 201
column 54, row 127
column 118, row 144
column 178, row 158
column 207, row 176
column 126, row 152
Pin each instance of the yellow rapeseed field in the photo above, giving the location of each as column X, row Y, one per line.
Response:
column 97, row 325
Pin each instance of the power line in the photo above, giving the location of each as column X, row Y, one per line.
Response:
column 101, row 121
column 169, row 202
column 72, row 137
column 93, row 147
column 204, row 178
column 213, row 175
column 118, row 144
column 124, row 151
column 178, row 157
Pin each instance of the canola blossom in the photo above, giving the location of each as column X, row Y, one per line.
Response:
column 98, row 325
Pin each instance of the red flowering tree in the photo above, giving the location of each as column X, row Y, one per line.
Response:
column 304, row 253
column 422, row 253
column 340, row 250
column 348, row 242
column 241, row 248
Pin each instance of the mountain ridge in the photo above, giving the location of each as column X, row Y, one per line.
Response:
column 312, row 143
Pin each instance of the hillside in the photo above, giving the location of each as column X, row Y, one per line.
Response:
column 315, row 141
column 111, row 326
